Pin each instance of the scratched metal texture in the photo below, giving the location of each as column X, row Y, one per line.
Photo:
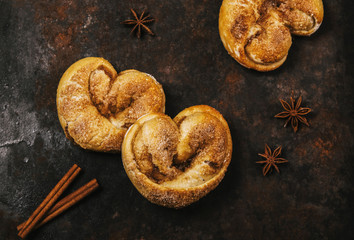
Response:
column 311, row 198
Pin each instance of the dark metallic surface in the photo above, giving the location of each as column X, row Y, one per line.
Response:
column 312, row 197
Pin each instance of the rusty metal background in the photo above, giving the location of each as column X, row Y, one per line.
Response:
column 312, row 197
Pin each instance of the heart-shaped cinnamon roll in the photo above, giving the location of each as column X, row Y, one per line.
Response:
column 96, row 105
column 257, row 33
column 174, row 163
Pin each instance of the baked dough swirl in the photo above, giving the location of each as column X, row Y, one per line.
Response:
column 257, row 33
column 96, row 105
column 174, row 163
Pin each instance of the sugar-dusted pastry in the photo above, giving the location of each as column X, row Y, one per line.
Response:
column 257, row 33
column 174, row 163
column 96, row 105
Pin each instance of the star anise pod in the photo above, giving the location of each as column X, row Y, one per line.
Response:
column 271, row 159
column 293, row 112
column 139, row 23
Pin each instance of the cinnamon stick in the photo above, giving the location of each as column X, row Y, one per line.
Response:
column 49, row 201
column 67, row 202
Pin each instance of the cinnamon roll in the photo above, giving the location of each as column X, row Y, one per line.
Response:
column 257, row 33
column 96, row 105
column 174, row 163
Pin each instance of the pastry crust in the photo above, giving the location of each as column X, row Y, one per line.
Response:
column 174, row 163
column 96, row 105
column 257, row 33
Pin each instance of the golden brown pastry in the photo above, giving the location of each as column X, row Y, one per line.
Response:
column 257, row 33
column 96, row 105
column 174, row 163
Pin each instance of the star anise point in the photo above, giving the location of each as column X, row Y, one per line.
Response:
column 139, row 23
column 271, row 159
column 293, row 112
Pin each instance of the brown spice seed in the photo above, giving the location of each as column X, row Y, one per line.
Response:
column 139, row 23
column 293, row 112
column 271, row 159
